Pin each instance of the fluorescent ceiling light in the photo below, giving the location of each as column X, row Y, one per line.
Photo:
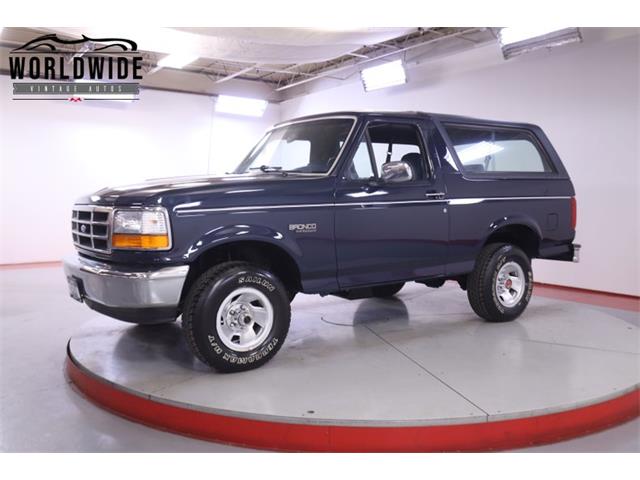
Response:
column 177, row 60
column 510, row 35
column 517, row 40
column 385, row 75
column 250, row 107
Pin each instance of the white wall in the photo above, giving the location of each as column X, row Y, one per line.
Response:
column 586, row 98
column 52, row 152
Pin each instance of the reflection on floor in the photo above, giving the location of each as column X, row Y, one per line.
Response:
column 33, row 335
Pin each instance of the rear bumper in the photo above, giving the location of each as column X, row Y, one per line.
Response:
column 127, row 293
column 569, row 252
column 576, row 252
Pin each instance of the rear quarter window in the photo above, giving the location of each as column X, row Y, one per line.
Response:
column 488, row 150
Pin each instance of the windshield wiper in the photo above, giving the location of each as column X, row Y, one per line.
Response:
column 270, row 169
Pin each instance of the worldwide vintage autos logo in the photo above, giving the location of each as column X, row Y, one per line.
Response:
column 52, row 68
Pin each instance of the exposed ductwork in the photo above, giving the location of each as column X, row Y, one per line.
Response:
column 276, row 59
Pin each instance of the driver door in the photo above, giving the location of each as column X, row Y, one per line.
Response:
column 384, row 231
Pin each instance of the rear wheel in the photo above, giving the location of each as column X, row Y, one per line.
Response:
column 383, row 291
column 236, row 316
column 500, row 286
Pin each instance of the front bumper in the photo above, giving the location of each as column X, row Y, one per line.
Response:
column 124, row 292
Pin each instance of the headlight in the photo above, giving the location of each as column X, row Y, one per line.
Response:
column 141, row 229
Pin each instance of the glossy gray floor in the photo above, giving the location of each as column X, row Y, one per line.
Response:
column 41, row 412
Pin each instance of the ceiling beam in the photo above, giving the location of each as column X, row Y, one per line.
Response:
column 355, row 64
column 237, row 74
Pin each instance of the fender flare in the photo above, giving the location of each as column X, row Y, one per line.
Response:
column 240, row 233
column 518, row 220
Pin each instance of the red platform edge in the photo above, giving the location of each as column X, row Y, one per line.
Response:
column 270, row 435
column 591, row 297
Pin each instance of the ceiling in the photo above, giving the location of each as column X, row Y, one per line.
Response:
column 273, row 63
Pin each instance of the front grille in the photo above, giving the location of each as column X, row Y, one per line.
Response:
column 90, row 228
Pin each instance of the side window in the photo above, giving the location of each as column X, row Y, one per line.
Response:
column 493, row 150
column 361, row 164
column 390, row 142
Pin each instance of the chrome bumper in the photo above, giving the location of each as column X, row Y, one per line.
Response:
column 125, row 287
column 576, row 253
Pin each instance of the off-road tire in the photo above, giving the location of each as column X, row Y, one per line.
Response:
column 386, row 291
column 481, row 282
column 200, row 315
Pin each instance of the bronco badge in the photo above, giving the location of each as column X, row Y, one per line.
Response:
column 303, row 227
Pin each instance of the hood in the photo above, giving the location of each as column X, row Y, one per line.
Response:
column 151, row 191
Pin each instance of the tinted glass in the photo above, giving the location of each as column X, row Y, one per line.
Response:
column 390, row 142
column 307, row 147
column 360, row 167
column 487, row 150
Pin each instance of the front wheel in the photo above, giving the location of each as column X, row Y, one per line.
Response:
column 236, row 316
column 500, row 286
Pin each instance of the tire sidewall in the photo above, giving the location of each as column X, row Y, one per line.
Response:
column 505, row 254
column 205, row 317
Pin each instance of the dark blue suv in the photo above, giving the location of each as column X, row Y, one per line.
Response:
column 351, row 204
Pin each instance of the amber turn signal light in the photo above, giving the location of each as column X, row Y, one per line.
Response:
column 143, row 242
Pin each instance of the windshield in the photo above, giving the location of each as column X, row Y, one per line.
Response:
column 306, row 147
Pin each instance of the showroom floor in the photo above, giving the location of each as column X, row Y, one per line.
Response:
column 41, row 411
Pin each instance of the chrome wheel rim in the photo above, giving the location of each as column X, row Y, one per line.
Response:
column 510, row 284
column 244, row 319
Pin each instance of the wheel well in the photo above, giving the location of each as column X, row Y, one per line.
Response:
column 519, row 235
column 263, row 254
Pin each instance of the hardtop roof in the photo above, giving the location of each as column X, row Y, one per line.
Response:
column 409, row 114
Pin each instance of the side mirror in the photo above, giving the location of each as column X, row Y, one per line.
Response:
column 396, row 172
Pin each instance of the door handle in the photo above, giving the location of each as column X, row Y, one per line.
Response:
column 434, row 195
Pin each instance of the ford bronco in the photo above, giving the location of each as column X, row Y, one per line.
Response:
column 351, row 204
